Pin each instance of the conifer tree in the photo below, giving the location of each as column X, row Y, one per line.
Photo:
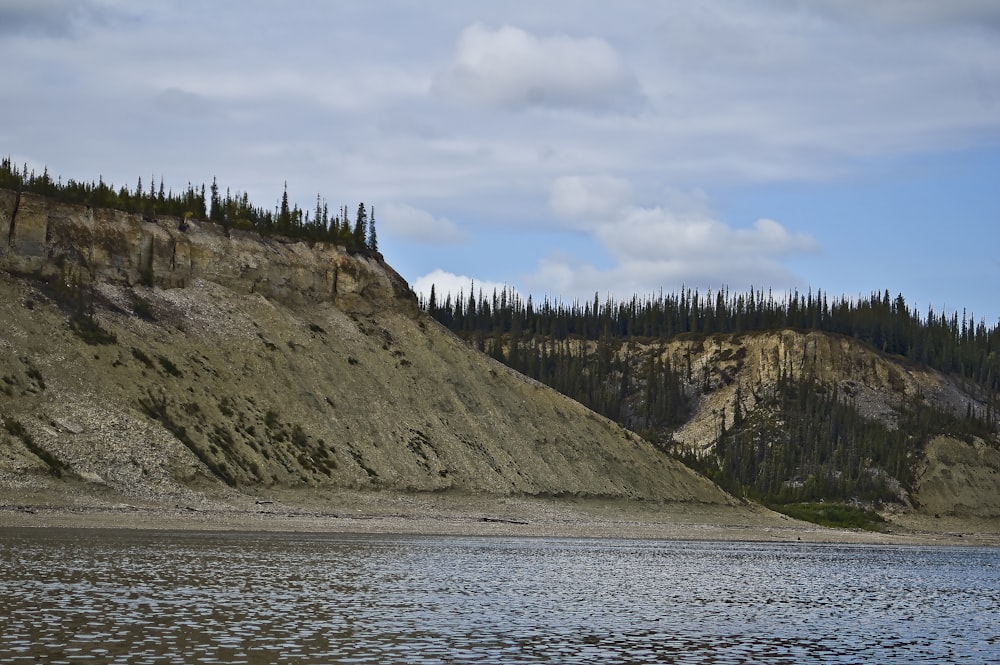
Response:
column 372, row 238
column 216, row 213
column 284, row 224
column 360, row 227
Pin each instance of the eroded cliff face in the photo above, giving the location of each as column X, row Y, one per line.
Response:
column 750, row 365
column 75, row 242
column 951, row 476
column 206, row 362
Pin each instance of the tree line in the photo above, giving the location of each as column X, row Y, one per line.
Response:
column 231, row 210
column 963, row 346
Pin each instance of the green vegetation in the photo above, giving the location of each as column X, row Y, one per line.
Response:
column 139, row 355
column 804, row 441
column 16, row 428
column 837, row 515
column 232, row 211
column 158, row 408
column 962, row 346
column 89, row 329
column 169, row 367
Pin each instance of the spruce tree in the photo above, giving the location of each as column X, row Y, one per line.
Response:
column 360, row 227
column 372, row 238
column 284, row 224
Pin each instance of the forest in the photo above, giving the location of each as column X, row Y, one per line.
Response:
column 805, row 441
column 232, row 210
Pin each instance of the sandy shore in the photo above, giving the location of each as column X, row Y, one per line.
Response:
column 473, row 515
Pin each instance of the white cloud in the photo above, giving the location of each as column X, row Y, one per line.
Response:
column 589, row 197
column 510, row 67
column 662, row 247
column 446, row 283
column 412, row 223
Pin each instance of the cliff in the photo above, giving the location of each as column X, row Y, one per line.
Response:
column 952, row 474
column 72, row 242
column 163, row 361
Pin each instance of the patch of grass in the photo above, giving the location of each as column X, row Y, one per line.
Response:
column 226, row 407
column 34, row 374
column 143, row 308
column 299, row 437
column 157, row 408
column 142, row 357
column 16, row 428
column 169, row 367
column 90, row 331
column 836, row 515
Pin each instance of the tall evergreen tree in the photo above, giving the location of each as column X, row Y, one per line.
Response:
column 360, row 227
column 284, row 224
column 372, row 238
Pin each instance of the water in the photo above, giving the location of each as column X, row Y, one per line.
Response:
column 153, row 597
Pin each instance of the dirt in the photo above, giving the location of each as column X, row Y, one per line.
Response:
column 341, row 511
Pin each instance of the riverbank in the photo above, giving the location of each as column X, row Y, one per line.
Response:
column 477, row 515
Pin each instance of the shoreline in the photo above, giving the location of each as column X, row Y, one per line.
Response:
column 378, row 513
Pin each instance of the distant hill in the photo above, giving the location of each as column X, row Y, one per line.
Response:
column 781, row 400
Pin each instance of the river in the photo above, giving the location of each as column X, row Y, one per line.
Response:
column 105, row 596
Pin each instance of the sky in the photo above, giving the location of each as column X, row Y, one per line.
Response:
column 561, row 149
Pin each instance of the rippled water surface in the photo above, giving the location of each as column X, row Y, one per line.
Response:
column 152, row 597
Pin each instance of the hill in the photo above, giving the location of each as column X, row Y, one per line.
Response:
column 168, row 360
column 161, row 361
column 779, row 400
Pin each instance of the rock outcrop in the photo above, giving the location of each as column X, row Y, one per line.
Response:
column 75, row 242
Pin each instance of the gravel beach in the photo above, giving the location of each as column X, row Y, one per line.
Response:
column 479, row 515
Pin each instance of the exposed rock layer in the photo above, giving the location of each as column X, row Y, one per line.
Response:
column 75, row 242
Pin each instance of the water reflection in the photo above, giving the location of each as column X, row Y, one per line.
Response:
column 153, row 597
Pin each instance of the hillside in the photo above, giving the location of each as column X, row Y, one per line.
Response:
column 155, row 361
column 167, row 361
column 900, row 426
column 780, row 401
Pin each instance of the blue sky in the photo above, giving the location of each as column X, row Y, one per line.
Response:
column 559, row 148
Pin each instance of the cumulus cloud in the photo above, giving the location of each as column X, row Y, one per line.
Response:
column 418, row 225
column 510, row 67
column 446, row 283
column 663, row 246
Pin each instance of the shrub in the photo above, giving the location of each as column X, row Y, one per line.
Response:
column 836, row 515
column 90, row 331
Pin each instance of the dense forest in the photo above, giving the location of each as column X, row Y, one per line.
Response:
column 230, row 210
column 805, row 441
